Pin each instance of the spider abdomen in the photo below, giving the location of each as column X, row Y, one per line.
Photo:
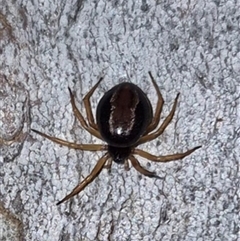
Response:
column 123, row 115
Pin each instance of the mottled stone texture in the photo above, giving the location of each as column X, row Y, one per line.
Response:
column 191, row 47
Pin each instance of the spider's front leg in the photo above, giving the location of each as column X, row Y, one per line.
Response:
column 167, row 158
column 84, row 147
column 139, row 168
column 95, row 172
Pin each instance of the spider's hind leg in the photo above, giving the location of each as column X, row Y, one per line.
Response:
column 163, row 126
column 156, row 117
column 87, row 104
column 81, row 119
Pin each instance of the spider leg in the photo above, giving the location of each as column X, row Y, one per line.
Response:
column 77, row 113
column 95, row 172
column 156, row 117
column 139, row 168
column 126, row 165
column 162, row 127
column 85, row 147
column 87, row 104
column 108, row 164
column 167, row 158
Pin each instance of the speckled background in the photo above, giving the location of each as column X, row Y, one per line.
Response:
column 191, row 47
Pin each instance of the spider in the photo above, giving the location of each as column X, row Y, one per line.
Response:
column 124, row 120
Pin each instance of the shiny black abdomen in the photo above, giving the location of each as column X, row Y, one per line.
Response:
column 123, row 115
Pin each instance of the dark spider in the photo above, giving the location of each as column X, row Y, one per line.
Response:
column 124, row 120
